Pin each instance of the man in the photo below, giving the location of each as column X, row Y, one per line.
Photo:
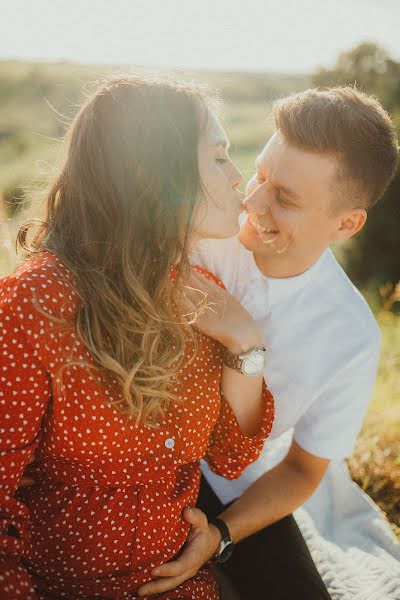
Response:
column 329, row 161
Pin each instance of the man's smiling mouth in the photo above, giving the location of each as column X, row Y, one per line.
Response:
column 260, row 228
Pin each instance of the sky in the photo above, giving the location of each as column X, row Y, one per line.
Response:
column 255, row 35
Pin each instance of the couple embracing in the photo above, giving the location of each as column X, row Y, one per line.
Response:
column 146, row 330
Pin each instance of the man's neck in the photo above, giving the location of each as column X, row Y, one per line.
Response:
column 279, row 267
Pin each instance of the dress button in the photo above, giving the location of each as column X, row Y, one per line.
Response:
column 169, row 443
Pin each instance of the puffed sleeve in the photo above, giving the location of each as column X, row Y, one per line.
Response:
column 24, row 396
column 229, row 451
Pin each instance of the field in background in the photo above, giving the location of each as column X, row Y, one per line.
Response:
column 37, row 100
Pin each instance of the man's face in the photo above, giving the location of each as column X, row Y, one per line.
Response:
column 290, row 196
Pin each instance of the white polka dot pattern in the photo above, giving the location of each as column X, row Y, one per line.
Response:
column 107, row 503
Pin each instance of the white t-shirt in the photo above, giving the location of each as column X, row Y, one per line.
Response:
column 323, row 347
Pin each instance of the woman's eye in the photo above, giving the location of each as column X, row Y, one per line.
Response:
column 221, row 161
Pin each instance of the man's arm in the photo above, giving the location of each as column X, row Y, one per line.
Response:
column 272, row 497
column 275, row 494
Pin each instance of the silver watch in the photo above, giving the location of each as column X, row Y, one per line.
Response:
column 251, row 362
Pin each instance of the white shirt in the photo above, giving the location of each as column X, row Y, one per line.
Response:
column 323, row 348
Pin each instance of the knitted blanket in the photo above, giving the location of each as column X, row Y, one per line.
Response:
column 350, row 541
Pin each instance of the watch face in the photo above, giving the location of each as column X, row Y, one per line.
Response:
column 254, row 363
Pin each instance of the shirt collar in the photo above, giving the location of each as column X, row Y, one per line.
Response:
column 281, row 288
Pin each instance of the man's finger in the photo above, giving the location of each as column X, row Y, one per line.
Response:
column 164, row 584
column 176, row 568
column 195, row 517
column 172, row 569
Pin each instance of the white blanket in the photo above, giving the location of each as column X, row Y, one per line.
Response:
column 351, row 543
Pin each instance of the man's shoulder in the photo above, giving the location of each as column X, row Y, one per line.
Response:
column 217, row 248
column 335, row 289
column 225, row 258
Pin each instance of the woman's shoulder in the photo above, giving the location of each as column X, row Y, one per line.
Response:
column 208, row 274
column 42, row 280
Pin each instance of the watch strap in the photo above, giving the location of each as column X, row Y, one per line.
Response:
column 222, row 528
column 235, row 361
column 226, row 545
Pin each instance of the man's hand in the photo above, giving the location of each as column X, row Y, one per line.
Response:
column 202, row 543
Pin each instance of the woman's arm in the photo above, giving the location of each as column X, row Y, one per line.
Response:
column 247, row 408
column 244, row 394
column 24, row 396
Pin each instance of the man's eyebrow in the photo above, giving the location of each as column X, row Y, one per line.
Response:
column 283, row 188
column 289, row 192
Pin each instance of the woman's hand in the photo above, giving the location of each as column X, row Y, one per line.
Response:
column 202, row 543
column 220, row 315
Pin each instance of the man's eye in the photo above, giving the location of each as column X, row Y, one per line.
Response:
column 281, row 200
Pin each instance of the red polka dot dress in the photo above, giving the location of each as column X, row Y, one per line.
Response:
column 106, row 506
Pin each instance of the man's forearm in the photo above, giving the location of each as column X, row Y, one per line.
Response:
column 270, row 498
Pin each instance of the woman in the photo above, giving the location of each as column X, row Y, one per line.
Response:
column 105, row 374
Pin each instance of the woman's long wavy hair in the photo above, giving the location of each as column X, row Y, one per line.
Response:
column 119, row 216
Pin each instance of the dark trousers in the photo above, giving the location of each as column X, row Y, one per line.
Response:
column 272, row 564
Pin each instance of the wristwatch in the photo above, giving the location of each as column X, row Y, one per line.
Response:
column 249, row 363
column 226, row 546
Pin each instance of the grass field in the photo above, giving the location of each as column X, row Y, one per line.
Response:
column 30, row 130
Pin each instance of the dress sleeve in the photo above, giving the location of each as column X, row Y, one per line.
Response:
column 24, row 396
column 229, row 451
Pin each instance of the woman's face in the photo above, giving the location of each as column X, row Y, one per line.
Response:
column 217, row 212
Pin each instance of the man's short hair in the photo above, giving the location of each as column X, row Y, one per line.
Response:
column 352, row 127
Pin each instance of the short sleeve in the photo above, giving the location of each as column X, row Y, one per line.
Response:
column 329, row 428
column 25, row 393
column 229, row 451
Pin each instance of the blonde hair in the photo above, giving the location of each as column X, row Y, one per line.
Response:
column 119, row 217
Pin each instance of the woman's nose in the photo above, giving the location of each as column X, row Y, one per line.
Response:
column 237, row 179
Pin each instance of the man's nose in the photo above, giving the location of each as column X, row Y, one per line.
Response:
column 256, row 201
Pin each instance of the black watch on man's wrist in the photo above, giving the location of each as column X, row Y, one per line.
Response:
column 226, row 546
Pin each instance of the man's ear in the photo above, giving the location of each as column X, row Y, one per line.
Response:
column 351, row 223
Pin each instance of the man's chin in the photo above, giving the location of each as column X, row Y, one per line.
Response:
column 250, row 242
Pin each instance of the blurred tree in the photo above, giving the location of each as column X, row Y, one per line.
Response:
column 370, row 68
column 374, row 254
